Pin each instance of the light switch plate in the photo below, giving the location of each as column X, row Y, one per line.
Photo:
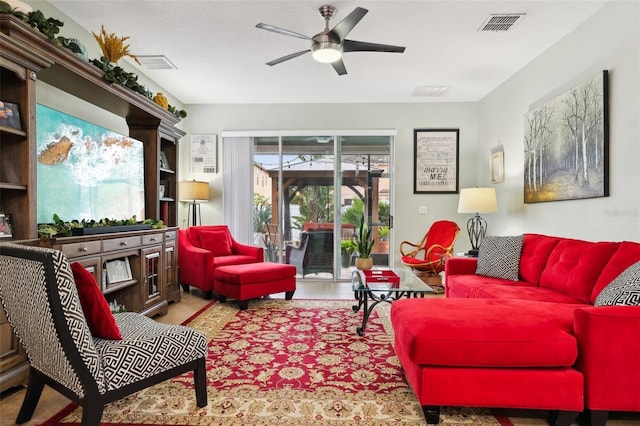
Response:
column 422, row 210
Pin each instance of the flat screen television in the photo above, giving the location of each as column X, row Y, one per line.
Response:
column 85, row 171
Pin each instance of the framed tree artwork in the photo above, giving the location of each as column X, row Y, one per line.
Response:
column 435, row 167
column 566, row 145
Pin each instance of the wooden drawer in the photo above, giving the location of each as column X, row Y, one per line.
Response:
column 170, row 235
column 152, row 239
column 121, row 243
column 81, row 249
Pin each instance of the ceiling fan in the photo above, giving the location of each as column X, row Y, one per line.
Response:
column 328, row 45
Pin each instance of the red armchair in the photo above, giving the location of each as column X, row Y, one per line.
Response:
column 201, row 249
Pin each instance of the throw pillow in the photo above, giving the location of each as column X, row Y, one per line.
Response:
column 94, row 305
column 499, row 257
column 624, row 290
column 217, row 242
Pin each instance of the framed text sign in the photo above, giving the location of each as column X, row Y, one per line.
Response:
column 435, row 168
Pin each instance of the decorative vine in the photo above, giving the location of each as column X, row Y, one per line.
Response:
column 50, row 27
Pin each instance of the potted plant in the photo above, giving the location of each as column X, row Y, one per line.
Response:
column 364, row 245
column 347, row 248
column 382, row 245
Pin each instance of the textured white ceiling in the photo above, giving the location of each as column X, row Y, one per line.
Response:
column 221, row 56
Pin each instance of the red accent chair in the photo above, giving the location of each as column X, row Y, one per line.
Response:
column 202, row 249
column 426, row 256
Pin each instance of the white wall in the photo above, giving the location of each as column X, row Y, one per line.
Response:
column 610, row 40
column 212, row 119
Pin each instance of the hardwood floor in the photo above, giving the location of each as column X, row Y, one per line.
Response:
column 52, row 402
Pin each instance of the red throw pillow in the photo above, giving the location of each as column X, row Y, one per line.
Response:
column 217, row 242
column 96, row 309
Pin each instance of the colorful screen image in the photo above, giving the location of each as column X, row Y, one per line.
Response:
column 86, row 171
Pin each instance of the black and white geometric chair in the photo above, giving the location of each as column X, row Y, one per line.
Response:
column 42, row 304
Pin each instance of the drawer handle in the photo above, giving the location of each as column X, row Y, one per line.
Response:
column 124, row 243
column 153, row 239
column 84, row 249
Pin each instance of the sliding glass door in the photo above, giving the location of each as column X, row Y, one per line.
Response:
column 309, row 192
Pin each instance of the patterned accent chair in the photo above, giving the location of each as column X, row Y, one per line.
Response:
column 42, row 304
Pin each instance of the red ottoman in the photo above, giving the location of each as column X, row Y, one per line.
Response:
column 253, row 280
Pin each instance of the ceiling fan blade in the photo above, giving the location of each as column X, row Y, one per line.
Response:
column 363, row 46
column 286, row 58
column 339, row 67
column 281, row 31
column 345, row 26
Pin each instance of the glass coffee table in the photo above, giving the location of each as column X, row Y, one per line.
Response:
column 369, row 294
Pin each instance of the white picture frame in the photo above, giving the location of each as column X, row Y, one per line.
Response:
column 118, row 270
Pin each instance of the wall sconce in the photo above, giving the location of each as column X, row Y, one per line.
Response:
column 192, row 191
column 477, row 200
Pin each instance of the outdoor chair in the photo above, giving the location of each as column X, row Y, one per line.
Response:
column 314, row 255
column 428, row 255
column 43, row 306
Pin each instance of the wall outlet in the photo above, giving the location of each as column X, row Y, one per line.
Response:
column 422, row 210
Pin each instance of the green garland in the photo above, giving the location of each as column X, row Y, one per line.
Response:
column 50, row 27
column 60, row 228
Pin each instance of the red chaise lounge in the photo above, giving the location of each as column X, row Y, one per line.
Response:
column 533, row 341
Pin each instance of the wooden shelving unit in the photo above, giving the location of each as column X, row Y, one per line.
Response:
column 27, row 55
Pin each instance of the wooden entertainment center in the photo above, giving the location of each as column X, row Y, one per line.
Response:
column 138, row 269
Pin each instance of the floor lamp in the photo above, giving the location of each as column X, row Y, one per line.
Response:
column 477, row 200
column 192, row 191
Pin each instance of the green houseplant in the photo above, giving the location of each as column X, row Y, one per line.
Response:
column 364, row 245
column 347, row 248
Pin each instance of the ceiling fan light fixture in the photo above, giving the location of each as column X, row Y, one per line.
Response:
column 326, row 52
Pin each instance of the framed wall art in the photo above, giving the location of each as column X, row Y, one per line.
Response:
column 10, row 115
column 496, row 164
column 566, row 145
column 435, row 168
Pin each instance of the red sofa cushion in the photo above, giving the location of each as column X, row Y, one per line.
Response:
column 217, row 242
column 94, row 305
column 254, row 272
column 627, row 254
column 475, row 332
column 574, row 266
column 535, row 253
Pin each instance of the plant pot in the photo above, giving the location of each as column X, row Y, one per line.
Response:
column 346, row 260
column 364, row 263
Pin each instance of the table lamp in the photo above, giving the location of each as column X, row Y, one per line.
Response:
column 192, row 191
column 477, row 200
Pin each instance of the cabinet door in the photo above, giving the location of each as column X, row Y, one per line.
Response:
column 14, row 368
column 171, row 272
column 153, row 276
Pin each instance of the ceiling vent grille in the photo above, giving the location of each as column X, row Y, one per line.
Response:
column 156, row 62
column 503, row 22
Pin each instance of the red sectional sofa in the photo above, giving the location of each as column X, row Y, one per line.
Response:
column 537, row 342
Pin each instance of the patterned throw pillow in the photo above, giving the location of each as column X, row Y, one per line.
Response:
column 624, row 290
column 499, row 257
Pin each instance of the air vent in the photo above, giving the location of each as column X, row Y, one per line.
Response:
column 156, row 62
column 429, row 91
column 502, row 22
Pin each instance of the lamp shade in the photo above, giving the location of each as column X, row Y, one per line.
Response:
column 477, row 200
column 193, row 190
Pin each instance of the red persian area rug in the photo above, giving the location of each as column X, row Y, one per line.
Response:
column 291, row 363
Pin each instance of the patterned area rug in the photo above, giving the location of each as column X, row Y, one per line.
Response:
column 287, row 362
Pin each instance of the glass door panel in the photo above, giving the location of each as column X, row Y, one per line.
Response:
column 309, row 193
